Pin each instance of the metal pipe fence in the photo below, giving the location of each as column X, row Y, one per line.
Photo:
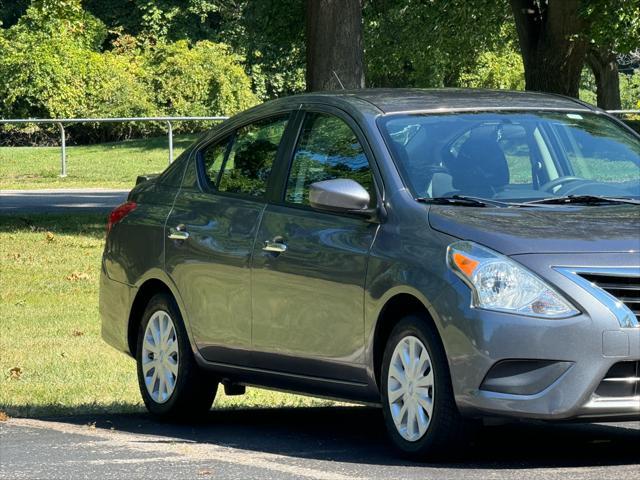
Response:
column 60, row 122
column 168, row 120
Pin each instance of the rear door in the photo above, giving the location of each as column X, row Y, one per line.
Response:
column 211, row 232
column 308, row 299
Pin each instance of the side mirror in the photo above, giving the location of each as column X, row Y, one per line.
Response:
column 340, row 195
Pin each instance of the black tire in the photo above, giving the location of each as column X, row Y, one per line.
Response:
column 194, row 389
column 446, row 428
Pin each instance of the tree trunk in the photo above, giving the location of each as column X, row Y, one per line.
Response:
column 334, row 45
column 552, row 43
column 604, row 64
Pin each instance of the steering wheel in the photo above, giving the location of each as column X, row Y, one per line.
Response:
column 549, row 186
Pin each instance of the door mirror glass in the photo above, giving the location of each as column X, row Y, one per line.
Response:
column 339, row 195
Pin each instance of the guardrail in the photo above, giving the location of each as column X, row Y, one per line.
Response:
column 60, row 122
column 168, row 120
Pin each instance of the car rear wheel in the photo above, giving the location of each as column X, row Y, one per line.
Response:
column 417, row 398
column 171, row 384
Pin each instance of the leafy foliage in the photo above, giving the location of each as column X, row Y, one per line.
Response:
column 52, row 66
column 412, row 43
column 615, row 24
column 630, row 91
column 197, row 81
column 204, row 57
column 499, row 68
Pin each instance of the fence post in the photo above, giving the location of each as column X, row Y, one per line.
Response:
column 63, row 151
column 170, row 133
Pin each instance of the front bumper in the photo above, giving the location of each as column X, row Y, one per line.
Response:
column 586, row 347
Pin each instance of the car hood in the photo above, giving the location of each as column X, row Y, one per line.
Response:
column 574, row 229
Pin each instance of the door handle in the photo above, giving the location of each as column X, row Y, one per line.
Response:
column 274, row 246
column 178, row 233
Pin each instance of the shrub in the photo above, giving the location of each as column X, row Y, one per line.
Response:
column 630, row 90
column 201, row 80
column 53, row 72
column 53, row 68
column 501, row 70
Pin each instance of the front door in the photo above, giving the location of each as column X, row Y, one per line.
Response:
column 309, row 267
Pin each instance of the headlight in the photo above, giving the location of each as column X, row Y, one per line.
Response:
column 500, row 284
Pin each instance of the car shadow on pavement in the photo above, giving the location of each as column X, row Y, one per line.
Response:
column 356, row 435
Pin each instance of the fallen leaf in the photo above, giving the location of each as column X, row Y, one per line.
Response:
column 204, row 472
column 75, row 276
column 50, row 236
column 15, row 373
column 3, row 416
column 77, row 333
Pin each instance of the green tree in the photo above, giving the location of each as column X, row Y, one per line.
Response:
column 614, row 29
column 557, row 37
column 498, row 68
column 412, row 43
column 267, row 34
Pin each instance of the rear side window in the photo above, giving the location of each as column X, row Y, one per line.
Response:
column 242, row 164
column 213, row 158
column 327, row 149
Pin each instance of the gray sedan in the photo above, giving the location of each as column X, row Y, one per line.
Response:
column 448, row 255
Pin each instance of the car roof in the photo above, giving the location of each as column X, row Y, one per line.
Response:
column 396, row 100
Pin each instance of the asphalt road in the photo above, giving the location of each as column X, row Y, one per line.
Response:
column 338, row 443
column 60, row 201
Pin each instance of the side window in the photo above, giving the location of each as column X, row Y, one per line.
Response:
column 212, row 159
column 327, row 149
column 244, row 166
column 249, row 162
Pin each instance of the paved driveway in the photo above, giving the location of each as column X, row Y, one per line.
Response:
column 338, row 443
column 60, row 201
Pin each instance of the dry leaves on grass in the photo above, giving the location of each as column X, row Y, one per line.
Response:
column 3, row 416
column 15, row 373
column 75, row 276
column 77, row 333
column 50, row 237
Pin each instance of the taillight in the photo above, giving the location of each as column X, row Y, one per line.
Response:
column 119, row 213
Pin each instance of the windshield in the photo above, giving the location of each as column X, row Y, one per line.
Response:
column 514, row 156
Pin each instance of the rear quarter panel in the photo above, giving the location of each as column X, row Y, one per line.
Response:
column 136, row 244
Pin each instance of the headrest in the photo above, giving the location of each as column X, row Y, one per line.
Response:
column 480, row 166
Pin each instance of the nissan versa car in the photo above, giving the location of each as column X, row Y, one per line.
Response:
column 449, row 255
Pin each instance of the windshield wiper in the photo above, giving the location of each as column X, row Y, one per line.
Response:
column 583, row 199
column 463, row 200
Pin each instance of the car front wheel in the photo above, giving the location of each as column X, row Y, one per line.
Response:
column 171, row 384
column 419, row 409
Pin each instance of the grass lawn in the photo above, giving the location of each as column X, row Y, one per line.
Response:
column 52, row 359
column 108, row 165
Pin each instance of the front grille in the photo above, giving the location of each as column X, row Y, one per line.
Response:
column 626, row 289
column 622, row 380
